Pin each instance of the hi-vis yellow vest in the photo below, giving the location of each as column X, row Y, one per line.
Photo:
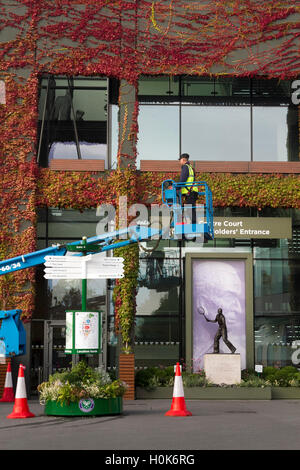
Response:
column 189, row 181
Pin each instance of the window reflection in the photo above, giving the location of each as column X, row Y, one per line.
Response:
column 158, row 137
column 216, row 132
column 55, row 296
column 277, row 341
column 277, row 286
column 275, row 133
column 232, row 90
column 113, row 135
column 217, row 119
column 157, row 330
column 150, row 87
column 158, row 292
column 73, row 118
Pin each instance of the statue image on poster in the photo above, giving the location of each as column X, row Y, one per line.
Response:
column 218, row 284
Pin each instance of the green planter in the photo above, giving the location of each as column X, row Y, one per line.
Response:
column 86, row 407
column 209, row 393
column 286, row 393
column 223, row 393
column 230, row 393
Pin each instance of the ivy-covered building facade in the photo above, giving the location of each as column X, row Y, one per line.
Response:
column 98, row 100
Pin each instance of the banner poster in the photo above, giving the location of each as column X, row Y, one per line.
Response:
column 83, row 332
column 86, row 330
column 218, row 284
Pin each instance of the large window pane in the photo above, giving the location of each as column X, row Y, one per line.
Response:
column 160, row 88
column 277, row 341
column 275, row 133
column 158, row 292
column 66, row 223
column 205, row 90
column 158, row 137
column 56, row 296
column 157, row 330
column 216, row 132
column 156, row 341
column 276, row 286
column 73, row 118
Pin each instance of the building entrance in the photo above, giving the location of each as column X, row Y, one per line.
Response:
column 48, row 342
column 47, row 351
column 55, row 358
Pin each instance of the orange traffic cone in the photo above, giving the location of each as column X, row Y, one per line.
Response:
column 178, row 407
column 21, row 409
column 8, row 392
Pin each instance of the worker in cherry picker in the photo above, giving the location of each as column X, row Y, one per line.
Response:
column 189, row 193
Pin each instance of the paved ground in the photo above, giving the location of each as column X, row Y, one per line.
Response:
column 245, row 425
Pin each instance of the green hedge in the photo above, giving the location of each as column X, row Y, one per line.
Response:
column 154, row 377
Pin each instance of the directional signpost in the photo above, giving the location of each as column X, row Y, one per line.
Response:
column 83, row 267
column 83, row 328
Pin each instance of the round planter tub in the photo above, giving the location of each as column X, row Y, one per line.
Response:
column 86, row 407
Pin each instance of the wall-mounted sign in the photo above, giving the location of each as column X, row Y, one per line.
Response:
column 83, row 332
column 253, row 227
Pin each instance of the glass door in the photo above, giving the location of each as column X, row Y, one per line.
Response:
column 55, row 358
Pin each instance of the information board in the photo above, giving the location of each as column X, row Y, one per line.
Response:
column 83, row 332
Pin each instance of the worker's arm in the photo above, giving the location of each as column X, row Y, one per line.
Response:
column 184, row 174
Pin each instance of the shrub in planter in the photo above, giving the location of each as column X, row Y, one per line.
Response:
column 81, row 382
column 195, row 380
column 154, row 377
column 288, row 376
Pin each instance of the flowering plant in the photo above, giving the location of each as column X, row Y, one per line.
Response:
column 80, row 382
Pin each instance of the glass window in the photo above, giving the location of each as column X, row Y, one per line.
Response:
column 204, row 90
column 275, row 133
column 55, row 296
column 270, row 91
column 158, row 137
column 283, row 248
column 276, row 286
column 217, row 119
column 73, row 118
column 158, row 292
column 160, row 88
column 59, row 224
column 156, row 341
column 277, row 341
column 216, row 132
column 113, row 134
column 163, row 329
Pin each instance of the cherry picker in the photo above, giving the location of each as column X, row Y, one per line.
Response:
column 11, row 331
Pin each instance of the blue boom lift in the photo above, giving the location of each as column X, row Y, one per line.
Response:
column 11, row 328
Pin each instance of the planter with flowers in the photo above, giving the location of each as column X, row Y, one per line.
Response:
column 274, row 383
column 82, row 391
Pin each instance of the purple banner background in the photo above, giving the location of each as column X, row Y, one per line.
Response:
column 218, row 284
